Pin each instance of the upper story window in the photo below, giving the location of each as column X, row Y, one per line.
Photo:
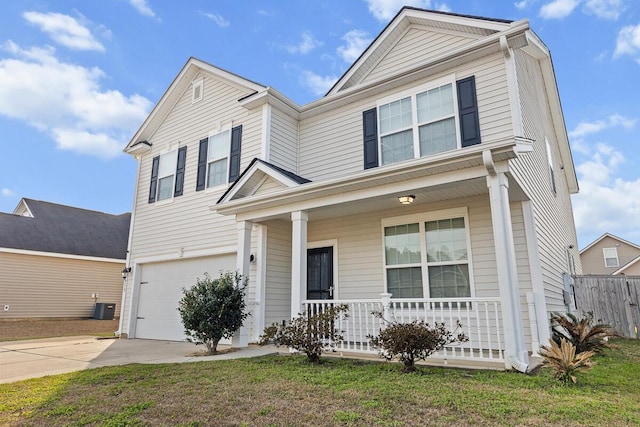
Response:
column 167, row 175
column 219, row 158
column 428, row 257
column 611, row 257
column 418, row 125
column 431, row 119
column 552, row 175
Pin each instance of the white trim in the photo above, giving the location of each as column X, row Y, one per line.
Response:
column 420, row 219
column 265, row 147
column 326, row 244
column 627, row 265
column 198, row 253
column 25, row 209
column 60, row 255
column 259, row 317
column 269, row 172
column 512, row 86
column 535, row 270
column 604, row 253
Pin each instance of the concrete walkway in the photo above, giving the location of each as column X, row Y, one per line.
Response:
column 20, row 360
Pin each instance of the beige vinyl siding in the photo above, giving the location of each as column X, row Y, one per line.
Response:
column 553, row 214
column 268, row 186
column 593, row 258
column 335, row 138
column 37, row 286
column 360, row 247
column 284, row 141
column 162, row 228
column 278, row 286
column 417, row 46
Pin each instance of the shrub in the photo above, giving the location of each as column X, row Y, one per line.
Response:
column 409, row 342
column 213, row 309
column 564, row 361
column 580, row 332
column 310, row 333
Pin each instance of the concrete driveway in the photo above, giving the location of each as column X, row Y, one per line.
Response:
column 20, row 360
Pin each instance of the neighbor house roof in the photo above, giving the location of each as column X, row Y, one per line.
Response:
column 50, row 227
column 610, row 236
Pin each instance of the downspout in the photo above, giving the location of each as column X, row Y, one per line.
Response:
column 129, row 246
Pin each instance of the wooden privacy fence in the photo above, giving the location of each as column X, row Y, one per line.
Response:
column 613, row 300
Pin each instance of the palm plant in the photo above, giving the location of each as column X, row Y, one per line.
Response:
column 564, row 361
column 580, row 332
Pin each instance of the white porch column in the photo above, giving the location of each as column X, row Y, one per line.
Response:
column 515, row 348
column 241, row 337
column 298, row 261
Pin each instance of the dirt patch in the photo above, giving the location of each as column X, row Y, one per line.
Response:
column 32, row 329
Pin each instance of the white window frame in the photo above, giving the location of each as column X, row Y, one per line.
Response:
column 164, row 154
column 604, row 253
column 197, row 90
column 421, row 219
column 226, row 128
column 415, row 125
column 552, row 174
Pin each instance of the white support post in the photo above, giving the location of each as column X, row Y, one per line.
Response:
column 533, row 324
column 241, row 337
column 517, row 356
column 298, row 261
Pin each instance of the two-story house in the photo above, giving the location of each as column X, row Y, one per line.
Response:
column 431, row 182
column 610, row 254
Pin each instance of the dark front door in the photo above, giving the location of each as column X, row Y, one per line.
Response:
column 320, row 273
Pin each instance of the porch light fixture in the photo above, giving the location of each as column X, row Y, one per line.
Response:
column 406, row 200
column 125, row 272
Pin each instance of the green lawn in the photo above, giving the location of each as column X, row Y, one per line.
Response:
column 287, row 391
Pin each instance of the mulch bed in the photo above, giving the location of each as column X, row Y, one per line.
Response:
column 12, row 330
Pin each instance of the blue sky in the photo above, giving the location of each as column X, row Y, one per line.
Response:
column 77, row 78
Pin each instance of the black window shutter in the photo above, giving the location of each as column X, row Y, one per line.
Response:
column 468, row 112
column 182, row 156
column 370, row 132
column 201, row 181
column 154, row 179
column 234, row 155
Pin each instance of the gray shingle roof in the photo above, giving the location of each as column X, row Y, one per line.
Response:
column 66, row 230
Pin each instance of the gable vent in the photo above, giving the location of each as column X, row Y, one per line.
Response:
column 197, row 90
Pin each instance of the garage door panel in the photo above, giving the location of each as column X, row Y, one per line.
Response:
column 161, row 288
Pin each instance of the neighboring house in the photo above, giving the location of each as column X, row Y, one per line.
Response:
column 609, row 254
column 57, row 261
column 437, row 169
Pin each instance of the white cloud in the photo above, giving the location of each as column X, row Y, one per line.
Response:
column 318, row 85
column 143, row 8
column 217, row 19
column 585, row 129
column 306, row 44
column 64, row 30
column 606, row 203
column 628, row 42
column 605, row 9
column 524, row 4
column 67, row 102
column 7, row 192
column 384, row 10
column 356, row 42
column 558, row 9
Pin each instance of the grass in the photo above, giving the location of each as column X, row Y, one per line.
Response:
column 287, row 391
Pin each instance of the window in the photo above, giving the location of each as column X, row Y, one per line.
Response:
column 552, row 175
column 428, row 257
column 218, row 158
column 418, row 125
column 167, row 175
column 611, row 257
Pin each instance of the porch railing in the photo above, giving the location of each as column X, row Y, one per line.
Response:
column 481, row 321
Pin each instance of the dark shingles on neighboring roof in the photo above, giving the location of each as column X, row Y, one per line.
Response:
column 66, row 230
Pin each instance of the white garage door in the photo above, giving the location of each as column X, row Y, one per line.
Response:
column 161, row 287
